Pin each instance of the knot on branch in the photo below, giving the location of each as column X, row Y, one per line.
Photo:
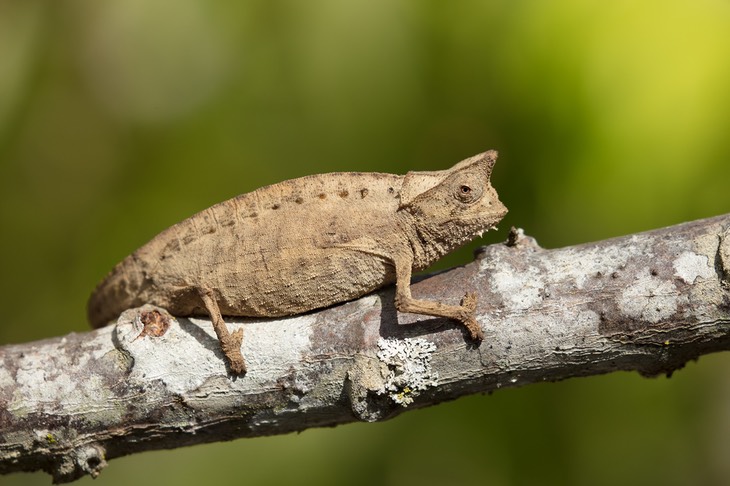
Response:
column 86, row 459
column 723, row 257
column 401, row 372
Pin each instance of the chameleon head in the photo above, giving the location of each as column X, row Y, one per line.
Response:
column 453, row 206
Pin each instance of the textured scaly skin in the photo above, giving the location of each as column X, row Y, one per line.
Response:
column 308, row 243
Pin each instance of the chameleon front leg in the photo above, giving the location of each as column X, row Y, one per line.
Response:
column 230, row 342
column 465, row 313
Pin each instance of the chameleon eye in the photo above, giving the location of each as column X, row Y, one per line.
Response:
column 466, row 193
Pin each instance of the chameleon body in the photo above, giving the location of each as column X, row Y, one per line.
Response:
column 308, row 243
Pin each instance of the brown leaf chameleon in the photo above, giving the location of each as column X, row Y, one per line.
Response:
column 308, row 243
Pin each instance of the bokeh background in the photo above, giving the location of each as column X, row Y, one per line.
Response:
column 119, row 118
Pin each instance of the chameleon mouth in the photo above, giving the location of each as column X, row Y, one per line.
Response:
column 481, row 233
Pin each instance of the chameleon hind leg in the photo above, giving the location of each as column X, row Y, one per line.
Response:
column 230, row 342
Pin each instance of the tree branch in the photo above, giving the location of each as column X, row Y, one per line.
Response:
column 647, row 302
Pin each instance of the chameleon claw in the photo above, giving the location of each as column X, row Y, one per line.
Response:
column 238, row 366
column 475, row 331
column 469, row 307
column 232, row 350
column 469, row 302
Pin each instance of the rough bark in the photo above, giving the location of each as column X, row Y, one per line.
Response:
column 647, row 302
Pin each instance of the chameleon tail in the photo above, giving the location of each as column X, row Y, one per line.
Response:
column 119, row 291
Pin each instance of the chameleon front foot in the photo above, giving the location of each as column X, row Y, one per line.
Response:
column 468, row 317
column 465, row 313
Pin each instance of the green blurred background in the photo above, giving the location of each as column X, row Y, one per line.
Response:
column 119, row 118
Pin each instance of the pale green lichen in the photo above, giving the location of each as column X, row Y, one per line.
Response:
column 409, row 368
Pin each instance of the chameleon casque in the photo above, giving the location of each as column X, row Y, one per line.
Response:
column 308, row 243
